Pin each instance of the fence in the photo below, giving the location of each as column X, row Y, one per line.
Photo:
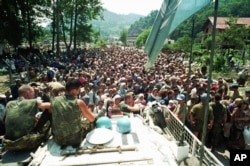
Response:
column 175, row 129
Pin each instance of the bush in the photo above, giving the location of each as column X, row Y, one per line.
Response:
column 3, row 71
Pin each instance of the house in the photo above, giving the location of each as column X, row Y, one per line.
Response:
column 221, row 25
column 131, row 40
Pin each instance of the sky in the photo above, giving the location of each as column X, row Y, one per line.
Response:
column 142, row 7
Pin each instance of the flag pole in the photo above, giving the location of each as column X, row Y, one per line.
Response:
column 204, row 133
column 181, row 142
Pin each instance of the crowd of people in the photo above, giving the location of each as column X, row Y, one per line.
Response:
column 89, row 83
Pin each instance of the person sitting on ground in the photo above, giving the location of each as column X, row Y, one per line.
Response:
column 23, row 132
column 67, row 112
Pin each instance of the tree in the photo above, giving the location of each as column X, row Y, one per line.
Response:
column 124, row 36
column 74, row 20
column 142, row 24
column 233, row 36
column 19, row 20
column 70, row 20
column 183, row 44
column 141, row 39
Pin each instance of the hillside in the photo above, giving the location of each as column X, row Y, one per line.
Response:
column 111, row 24
column 227, row 8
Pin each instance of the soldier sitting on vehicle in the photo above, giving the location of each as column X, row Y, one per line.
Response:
column 67, row 113
column 23, row 132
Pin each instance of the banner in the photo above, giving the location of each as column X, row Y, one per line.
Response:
column 171, row 14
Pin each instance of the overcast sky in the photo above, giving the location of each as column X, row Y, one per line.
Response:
column 142, row 7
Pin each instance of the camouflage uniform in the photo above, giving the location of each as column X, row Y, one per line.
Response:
column 17, row 127
column 19, row 131
column 66, row 121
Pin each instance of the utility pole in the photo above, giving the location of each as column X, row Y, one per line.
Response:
column 204, row 133
column 57, row 27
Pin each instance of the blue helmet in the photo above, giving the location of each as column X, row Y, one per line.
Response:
column 123, row 125
column 103, row 122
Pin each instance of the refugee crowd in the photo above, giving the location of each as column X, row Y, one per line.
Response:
column 90, row 83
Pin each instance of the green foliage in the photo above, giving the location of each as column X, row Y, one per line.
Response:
column 208, row 43
column 142, row 24
column 124, row 36
column 183, row 44
column 100, row 43
column 19, row 20
column 219, row 63
column 75, row 18
column 3, row 71
column 226, row 8
column 141, row 39
column 234, row 36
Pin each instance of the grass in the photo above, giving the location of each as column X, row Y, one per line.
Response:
column 4, row 83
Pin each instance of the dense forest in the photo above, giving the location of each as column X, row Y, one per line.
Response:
column 227, row 8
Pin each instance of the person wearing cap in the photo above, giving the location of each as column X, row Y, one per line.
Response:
column 234, row 92
column 197, row 114
column 20, row 123
column 181, row 108
column 67, row 113
column 190, row 103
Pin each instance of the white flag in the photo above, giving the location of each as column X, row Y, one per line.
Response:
column 171, row 14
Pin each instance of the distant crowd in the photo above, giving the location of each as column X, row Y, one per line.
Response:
column 109, row 76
